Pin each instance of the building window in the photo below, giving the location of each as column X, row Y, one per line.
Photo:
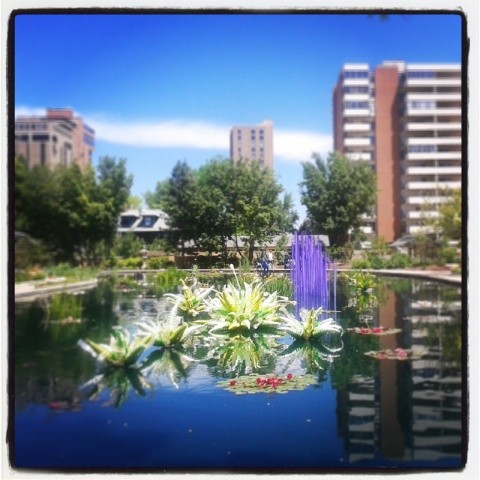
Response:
column 42, row 154
column 356, row 74
column 422, row 148
column 426, row 104
column 355, row 89
column 356, row 104
column 421, row 74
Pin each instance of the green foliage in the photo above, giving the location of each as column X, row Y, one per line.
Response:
column 316, row 356
column 362, row 282
column 341, row 254
column 127, row 245
column 121, row 351
column 399, row 260
column 169, row 332
column 280, row 284
column 310, row 327
column 133, row 263
column 245, row 307
column 63, row 306
column 29, row 253
column 70, row 272
column 191, row 300
column 337, row 192
column 377, row 262
column 240, row 354
column 361, row 263
column 222, row 201
column 170, row 362
column 449, row 255
column 156, row 263
column 119, row 382
column 70, row 211
column 450, row 220
column 170, row 277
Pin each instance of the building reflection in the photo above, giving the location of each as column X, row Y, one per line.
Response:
column 409, row 410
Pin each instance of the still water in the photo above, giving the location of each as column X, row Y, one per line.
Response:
column 358, row 413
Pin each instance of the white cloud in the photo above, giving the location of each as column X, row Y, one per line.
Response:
column 172, row 133
column 289, row 145
column 298, row 146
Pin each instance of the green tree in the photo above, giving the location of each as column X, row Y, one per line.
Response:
column 222, row 201
column 73, row 214
column 113, row 193
column 134, row 202
column 450, row 219
column 337, row 192
column 176, row 196
column 259, row 211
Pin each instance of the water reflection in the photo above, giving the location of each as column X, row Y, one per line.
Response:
column 408, row 411
column 388, row 412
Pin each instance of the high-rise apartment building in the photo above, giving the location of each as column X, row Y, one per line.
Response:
column 406, row 120
column 252, row 143
column 58, row 138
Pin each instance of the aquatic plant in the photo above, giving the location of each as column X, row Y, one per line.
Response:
column 310, row 327
column 166, row 332
column 374, row 330
column 315, row 356
column 191, row 300
column 169, row 277
column 63, row 307
column 397, row 354
column 245, row 306
column 267, row 383
column 123, row 350
column 362, row 282
column 172, row 363
column 119, row 382
column 280, row 284
column 241, row 353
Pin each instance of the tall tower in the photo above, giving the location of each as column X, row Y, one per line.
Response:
column 431, row 139
column 354, row 119
column 255, row 142
column 405, row 119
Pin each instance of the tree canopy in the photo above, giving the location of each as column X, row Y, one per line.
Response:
column 337, row 191
column 223, row 201
column 70, row 211
column 450, row 218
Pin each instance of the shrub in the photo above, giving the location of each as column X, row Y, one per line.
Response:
column 127, row 245
column 156, row 263
column 449, row 255
column 361, row 263
column 30, row 252
column 399, row 260
column 377, row 262
column 132, row 262
column 170, row 277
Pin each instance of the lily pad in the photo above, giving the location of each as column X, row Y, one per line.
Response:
column 255, row 383
column 374, row 330
column 397, row 354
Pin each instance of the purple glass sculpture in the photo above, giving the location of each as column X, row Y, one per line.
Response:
column 310, row 272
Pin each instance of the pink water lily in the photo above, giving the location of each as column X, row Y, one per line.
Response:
column 401, row 353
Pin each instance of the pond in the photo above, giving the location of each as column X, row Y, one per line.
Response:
column 334, row 406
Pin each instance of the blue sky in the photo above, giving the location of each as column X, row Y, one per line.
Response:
column 163, row 88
